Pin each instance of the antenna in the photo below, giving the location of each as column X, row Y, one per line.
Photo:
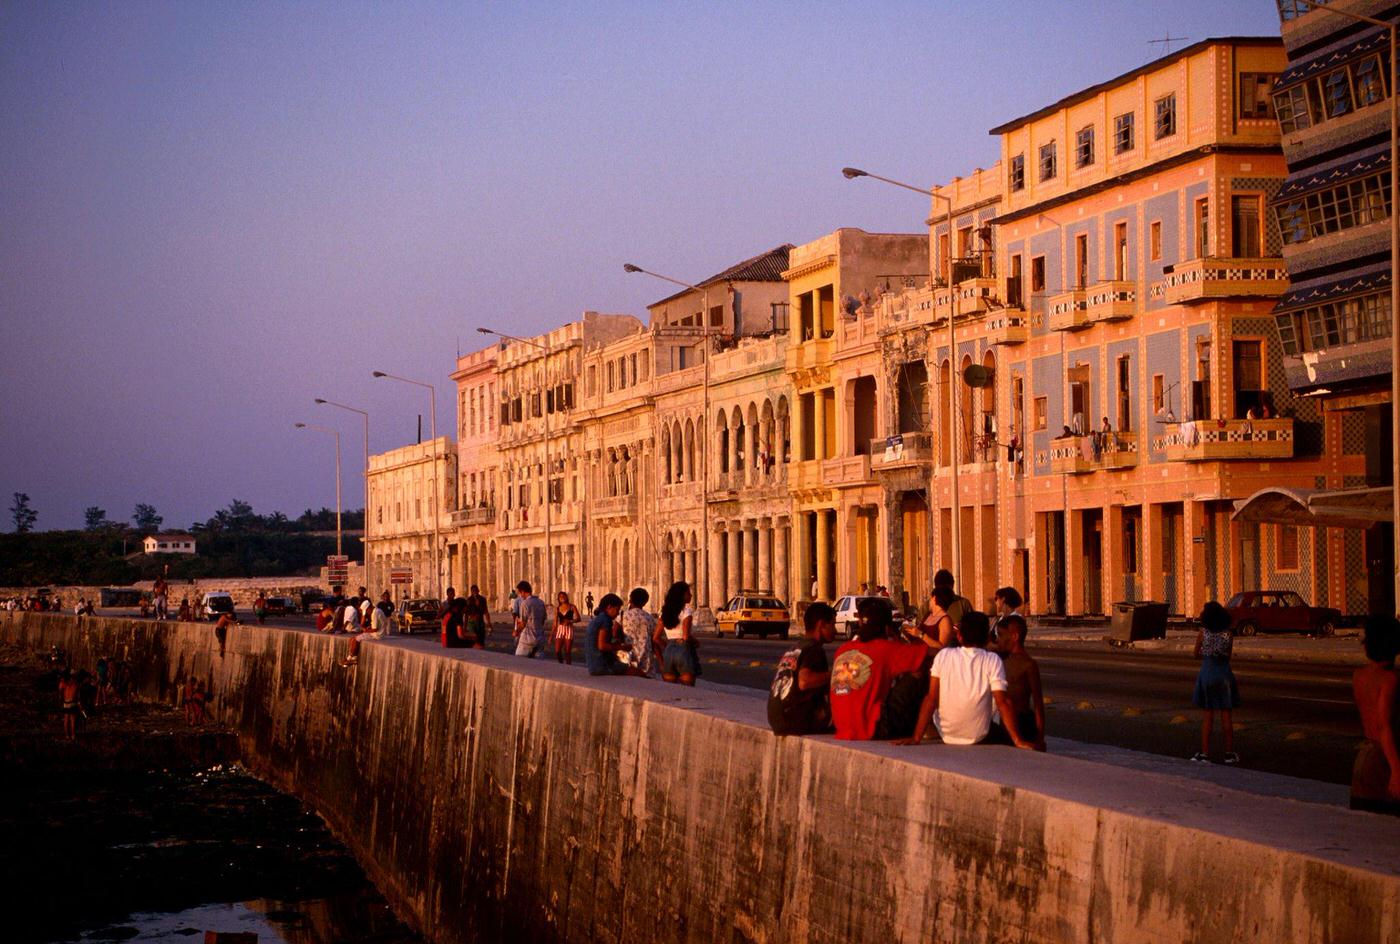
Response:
column 1166, row 42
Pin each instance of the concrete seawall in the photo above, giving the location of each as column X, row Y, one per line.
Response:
column 496, row 800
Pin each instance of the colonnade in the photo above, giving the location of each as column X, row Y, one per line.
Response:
column 750, row 554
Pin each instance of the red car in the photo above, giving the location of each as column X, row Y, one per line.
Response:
column 1280, row 611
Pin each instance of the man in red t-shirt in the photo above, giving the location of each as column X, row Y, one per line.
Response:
column 864, row 672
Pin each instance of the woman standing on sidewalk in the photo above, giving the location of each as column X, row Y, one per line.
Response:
column 565, row 615
column 1215, row 683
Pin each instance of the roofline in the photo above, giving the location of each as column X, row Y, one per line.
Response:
column 1152, row 66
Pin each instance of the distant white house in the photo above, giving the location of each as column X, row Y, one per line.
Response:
column 169, row 542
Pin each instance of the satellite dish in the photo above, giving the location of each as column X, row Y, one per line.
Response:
column 975, row 375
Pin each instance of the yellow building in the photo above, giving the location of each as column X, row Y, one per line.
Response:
column 402, row 486
column 472, row 549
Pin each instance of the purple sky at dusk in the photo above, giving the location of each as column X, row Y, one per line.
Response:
column 213, row 213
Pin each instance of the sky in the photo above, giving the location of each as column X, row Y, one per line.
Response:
column 212, row 213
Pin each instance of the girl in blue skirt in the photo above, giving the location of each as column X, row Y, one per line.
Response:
column 1215, row 683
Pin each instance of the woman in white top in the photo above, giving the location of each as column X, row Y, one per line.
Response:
column 678, row 661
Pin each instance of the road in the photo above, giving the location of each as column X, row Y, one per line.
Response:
column 1295, row 719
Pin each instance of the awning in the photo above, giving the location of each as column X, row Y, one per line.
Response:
column 1327, row 61
column 1339, row 508
column 1338, row 172
column 1311, row 294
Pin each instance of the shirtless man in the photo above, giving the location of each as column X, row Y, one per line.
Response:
column 1022, row 681
column 221, row 629
column 1375, row 777
column 70, row 693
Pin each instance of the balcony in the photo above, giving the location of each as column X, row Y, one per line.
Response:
column 1008, row 326
column 1068, row 311
column 1203, row 280
column 1207, row 440
column 1117, row 451
column 1070, row 456
column 846, row 470
column 901, row 452
column 485, row 514
column 1111, row 301
column 810, row 355
column 614, row 507
column 976, row 295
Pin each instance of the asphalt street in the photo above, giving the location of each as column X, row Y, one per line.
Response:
column 1295, row 718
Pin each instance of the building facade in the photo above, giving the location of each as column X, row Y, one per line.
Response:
column 472, row 551
column 408, row 488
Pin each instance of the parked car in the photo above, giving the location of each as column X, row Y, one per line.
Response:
column 216, row 603
column 753, row 612
column 312, row 600
column 1280, row 611
column 846, row 614
column 419, row 616
column 281, row 606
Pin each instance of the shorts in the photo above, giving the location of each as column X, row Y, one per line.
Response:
column 679, row 659
column 527, row 649
column 565, row 633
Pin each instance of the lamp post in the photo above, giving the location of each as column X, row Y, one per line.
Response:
column 436, row 504
column 336, row 434
column 548, row 498
column 702, row 593
column 369, row 578
column 1394, row 32
column 851, row 173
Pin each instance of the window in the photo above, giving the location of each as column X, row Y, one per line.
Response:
column 1202, row 217
column 1247, row 365
column 716, row 316
column 1123, row 133
column 1084, row 147
column 1120, row 251
column 1245, row 240
column 611, row 378
column 1154, row 241
column 1354, row 203
column 1368, row 81
column 779, row 313
column 1081, row 260
column 1130, row 544
column 1038, row 274
column 1018, row 172
column 1013, row 283
column 1125, row 402
column 1047, row 161
column 1287, row 544
column 1363, row 318
column 1164, row 117
column 1042, row 408
column 1321, row 98
column 1257, row 94
column 1159, row 397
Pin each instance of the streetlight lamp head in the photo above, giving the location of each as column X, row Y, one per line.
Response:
column 380, row 373
column 319, row 400
column 484, row 331
column 851, row 173
column 300, row 426
column 629, row 267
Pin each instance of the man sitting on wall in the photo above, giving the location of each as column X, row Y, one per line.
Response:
column 799, row 701
column 869, row 699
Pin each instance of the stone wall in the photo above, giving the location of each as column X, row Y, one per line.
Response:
column 497, row 800
column 243, row 589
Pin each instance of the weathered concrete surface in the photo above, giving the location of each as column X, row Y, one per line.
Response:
column 497, row 800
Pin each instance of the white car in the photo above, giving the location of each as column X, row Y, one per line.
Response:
column 215, row 604
column 846, row 614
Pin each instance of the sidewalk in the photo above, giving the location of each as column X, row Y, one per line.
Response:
column 1341, row 649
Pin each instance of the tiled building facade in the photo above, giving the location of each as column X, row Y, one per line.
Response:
column 1115, row 385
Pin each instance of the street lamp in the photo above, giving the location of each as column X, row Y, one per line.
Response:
column 703, row 577
column 851, row 173
column 436, row 504
column 548, row 498
column 1394, row 32
column 369, row 578
column 336, row 434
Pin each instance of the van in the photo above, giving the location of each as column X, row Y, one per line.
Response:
column 215, row 604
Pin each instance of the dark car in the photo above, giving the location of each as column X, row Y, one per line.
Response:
column 312, row 600
column 419, row 616
column 280, row 606
column 1280, row 611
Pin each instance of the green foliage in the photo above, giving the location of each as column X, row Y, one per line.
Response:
column 22, row 514
column 95, row 519
column 146, row 518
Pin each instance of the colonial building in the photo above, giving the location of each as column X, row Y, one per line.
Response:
column 472, row 546
column 413, row 493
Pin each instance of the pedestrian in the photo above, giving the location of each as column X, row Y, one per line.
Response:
column 877, row 682
column 159, row 593
column 478, row 617
column 565, row 615
column 943, row 578
column 1216, row 689
column 936, row 626
column 965, row 683
column 382, row 616
column 1375, row 776
column 366, row 606
column 260, row 608
column 639, row 627
column 186, row 614
column 799, row 700
column 454, row 626
column 70, row 696
column 447, row 601
column 603, row 642
column 530, row 632
column 350, row 616
column 1006, row 602
column 187, row 699
column 588, row 601
column 1022, row 681
column 815, row 588
column 221, row 629
column 370, row 631
column 679, row 661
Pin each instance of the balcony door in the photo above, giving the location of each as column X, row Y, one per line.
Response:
column 1246, row 242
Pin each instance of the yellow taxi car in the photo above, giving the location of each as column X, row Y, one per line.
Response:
column 753, row 612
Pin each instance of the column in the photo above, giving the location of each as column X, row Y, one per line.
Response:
column 782, row 586
column 848, row 563
column 734, row 576
column 824, row 550
column 716, row 568
column 765, row 556
column 1195, row 591
column 750, row 539
column 1151, row 561
column 1074, row 562
column 799, row 580
column 819, row 419
column 1112, row 556
column 892, row 547
column 688, row 559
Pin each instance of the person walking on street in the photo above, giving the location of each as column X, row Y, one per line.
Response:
column 1216, row 689
column 565, row 615
column 454, row 626
column 478, row 616
column 530, row 631
column 260, row 608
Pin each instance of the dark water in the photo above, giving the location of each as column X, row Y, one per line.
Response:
column 168, row 855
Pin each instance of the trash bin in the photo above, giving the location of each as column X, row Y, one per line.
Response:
column 1141, row 620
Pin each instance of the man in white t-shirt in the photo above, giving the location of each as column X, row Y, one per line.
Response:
column 965, row 682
